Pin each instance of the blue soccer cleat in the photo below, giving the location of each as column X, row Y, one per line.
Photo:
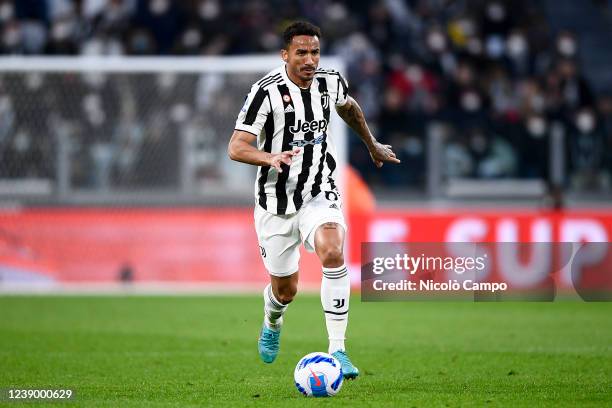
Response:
column 268, row 344
column 349, row 371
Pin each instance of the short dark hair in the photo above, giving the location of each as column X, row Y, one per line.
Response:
column 299, row 28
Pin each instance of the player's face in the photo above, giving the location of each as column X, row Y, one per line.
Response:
column 302, row 58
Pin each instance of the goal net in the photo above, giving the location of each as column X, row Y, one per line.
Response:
column 105, row 125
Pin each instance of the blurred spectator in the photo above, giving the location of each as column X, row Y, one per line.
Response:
column 575, row 91
column 604, row 107
column 163, row 20
column 491, row 155
column 587, row 151
column 534, row 139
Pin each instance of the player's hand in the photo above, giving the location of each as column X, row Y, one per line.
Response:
column 286, row 157
column 381, row 153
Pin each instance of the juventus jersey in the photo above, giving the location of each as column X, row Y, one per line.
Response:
column 283, row 116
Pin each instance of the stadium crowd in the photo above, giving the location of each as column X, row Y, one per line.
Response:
column 490, row 75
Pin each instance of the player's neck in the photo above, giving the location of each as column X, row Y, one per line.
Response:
column 300, row 83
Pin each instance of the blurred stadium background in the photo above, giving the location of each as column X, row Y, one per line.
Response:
column 115, row 117
column 114, row 121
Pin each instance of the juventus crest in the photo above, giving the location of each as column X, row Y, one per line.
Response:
column 338, row 303
column 325, row 100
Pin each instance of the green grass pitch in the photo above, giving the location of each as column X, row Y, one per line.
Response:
column 201, row 351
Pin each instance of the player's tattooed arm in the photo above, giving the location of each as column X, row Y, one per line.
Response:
column 352, row 114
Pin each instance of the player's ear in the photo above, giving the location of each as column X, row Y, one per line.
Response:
column 284, row 54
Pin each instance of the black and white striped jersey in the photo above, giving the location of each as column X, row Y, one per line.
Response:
column 282, row 116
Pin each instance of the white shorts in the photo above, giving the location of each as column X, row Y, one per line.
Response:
column 280, row 236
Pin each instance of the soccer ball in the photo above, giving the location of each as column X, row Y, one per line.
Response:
column 318, row 375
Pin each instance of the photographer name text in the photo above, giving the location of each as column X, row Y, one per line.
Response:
column 451, row 285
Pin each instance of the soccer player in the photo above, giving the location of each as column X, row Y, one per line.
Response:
column 287, row 114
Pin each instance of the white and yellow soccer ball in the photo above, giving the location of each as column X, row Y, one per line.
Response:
column 318, row 375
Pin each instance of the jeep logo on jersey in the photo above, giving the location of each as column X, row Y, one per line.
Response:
column 312, row 126
column 301, row 143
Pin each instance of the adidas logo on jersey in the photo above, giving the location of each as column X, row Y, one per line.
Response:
column 333, row 206
column 289, row 109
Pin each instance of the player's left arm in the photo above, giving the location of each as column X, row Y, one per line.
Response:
column 352, row 114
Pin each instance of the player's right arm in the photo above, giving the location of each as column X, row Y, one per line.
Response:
column 250, row 123
column 241, row 149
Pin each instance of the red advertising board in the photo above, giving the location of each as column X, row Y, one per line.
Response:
column 220, row 246
column 167, row 245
